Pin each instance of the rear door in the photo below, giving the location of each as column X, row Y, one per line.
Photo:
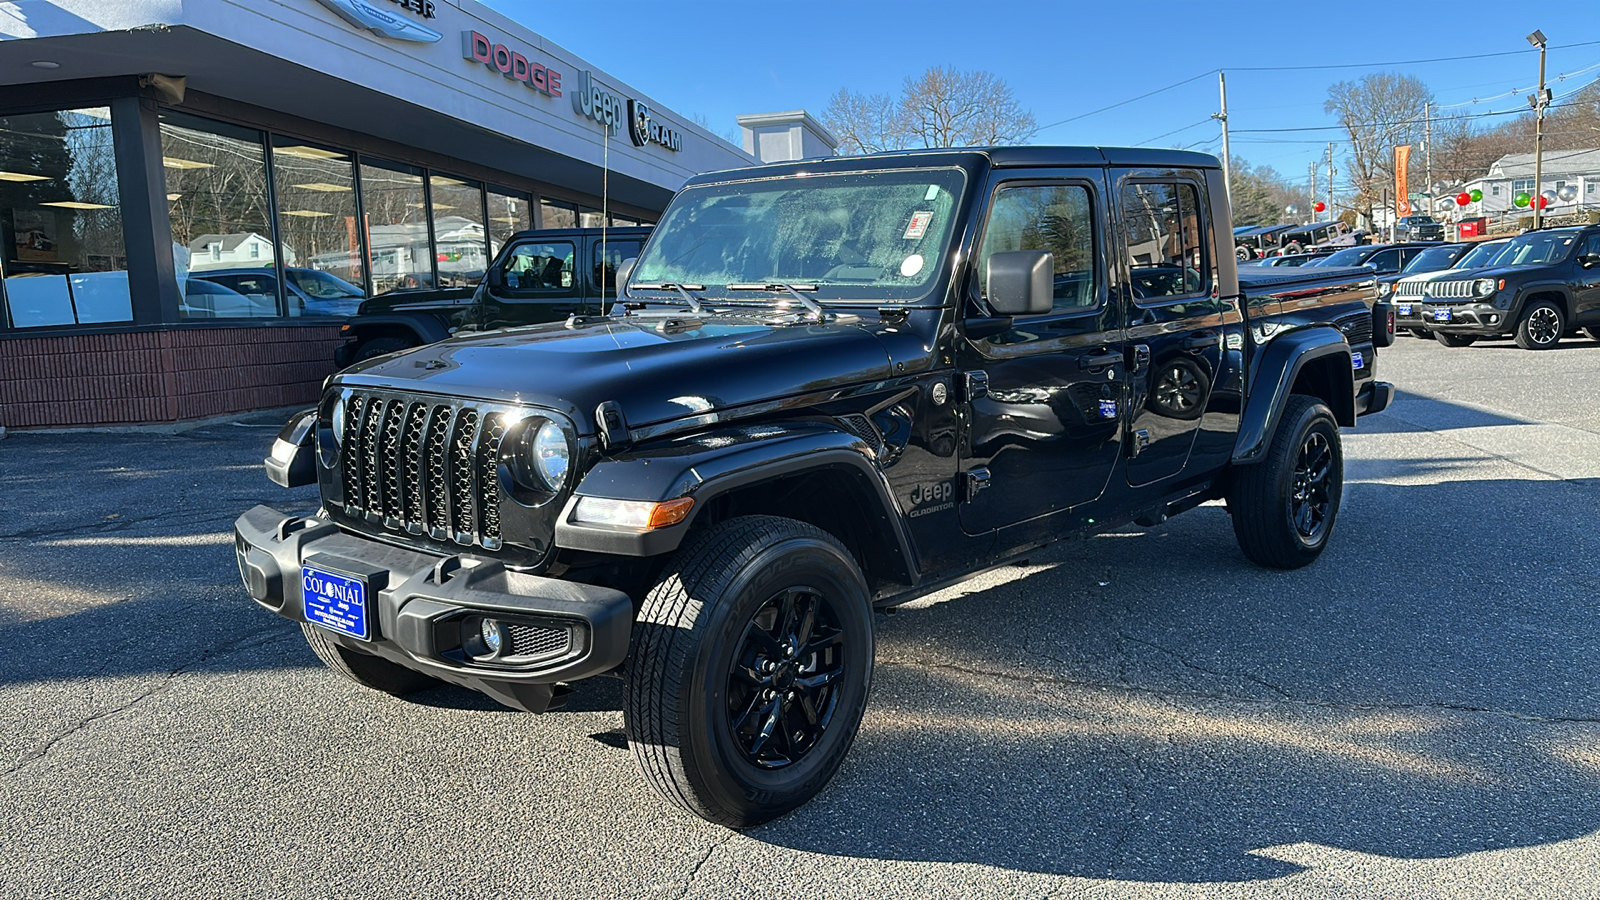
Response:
column 1045, row 429
column 1176, row 320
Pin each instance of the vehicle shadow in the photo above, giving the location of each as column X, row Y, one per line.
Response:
column 1410, row 413
column 1149, row 706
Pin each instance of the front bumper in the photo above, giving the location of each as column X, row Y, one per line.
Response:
column 1374, row 397
column 420, row 607
column 1481, row 319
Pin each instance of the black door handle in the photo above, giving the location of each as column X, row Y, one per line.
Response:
column 1099, row 360
column 1203, row 340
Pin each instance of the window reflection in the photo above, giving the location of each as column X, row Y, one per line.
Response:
column 555, row 214
column 61, row 237
column 323, row 267
column 509, row 213
column 397, row 228
column 1163, row 239
column 459, row 238
column 590, row 218
column 1054, row 218
column 218, row 209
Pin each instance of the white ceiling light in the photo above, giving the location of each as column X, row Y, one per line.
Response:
column 19, row 176
column 173, row 162
column 324, row 187
column 74, row 204
column 300, row 152
column 305, row 213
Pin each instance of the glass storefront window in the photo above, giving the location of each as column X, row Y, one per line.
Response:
column 61, row 246
column 217, row 203
column 509, row 213
column 396, row 209
column 460, row 241
column 555, row 214
column 590, row 218
column 323, row 267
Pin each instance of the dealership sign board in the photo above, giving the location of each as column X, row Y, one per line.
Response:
column 374, row 17
column 592, row 101
column 510, row 63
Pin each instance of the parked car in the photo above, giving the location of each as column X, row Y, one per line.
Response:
column 204, row 299
column 1542, row 286
column 1384, row 259
column 1406, row 292
column 1255, row 243
column 1418, row 228
column 1318, row 235
column 1288, row 261
column 307, row 291
column 538, row 276
column 816, row 397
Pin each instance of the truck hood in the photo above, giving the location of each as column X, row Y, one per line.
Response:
column 656, row 369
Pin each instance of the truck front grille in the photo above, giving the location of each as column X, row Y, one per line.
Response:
column 1357, row 328
column 416, row 466
column 1408, row 289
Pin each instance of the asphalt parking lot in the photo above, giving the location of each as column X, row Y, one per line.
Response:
column 1143, row 714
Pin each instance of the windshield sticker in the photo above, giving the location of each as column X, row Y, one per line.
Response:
column 933, row 192
column 911, row 265
column 919, row 225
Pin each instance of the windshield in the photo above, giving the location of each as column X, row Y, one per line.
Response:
column 322, row 285
column 1350, row 257
column 867, row 235
column 1432, row 260
column 1481, row 255
column 1419, row 220
column 1537, row 248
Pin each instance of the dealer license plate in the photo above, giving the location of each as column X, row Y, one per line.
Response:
column 1441, row 315
column 1356, row 361
column 335, row 601
column 1403, row 309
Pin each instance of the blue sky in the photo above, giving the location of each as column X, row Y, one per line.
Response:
column 719, row 59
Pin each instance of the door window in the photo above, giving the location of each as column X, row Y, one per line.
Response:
column 607, row 257
column 1385, row 260
column 1162, row 233
column 1055, row 218
column 543, row 269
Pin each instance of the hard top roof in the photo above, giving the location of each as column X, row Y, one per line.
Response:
column 968, row 157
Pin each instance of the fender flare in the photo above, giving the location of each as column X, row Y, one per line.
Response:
column 715, row 462
column 1568, row 308
column 427, row 328
column 1273, row 378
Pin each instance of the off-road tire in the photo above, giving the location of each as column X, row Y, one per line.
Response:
column 1263, row 498
column 368, row 671
column 1541, row 326
column 1243, row 254
column 1455, row 340
column 1593, row 333
column 380, row 346
column 688, row 667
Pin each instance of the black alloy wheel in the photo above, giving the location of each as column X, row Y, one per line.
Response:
column 1541, row 326
column 781, row 687
column 1311, row 501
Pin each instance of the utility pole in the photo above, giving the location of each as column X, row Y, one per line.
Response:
column 1227, row 166
column 1539, row 101
column 1330, row 180
column 1427, row 150
column 1312, row 171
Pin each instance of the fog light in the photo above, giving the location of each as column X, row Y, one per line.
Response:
column 493, row 635
column 1494, row 320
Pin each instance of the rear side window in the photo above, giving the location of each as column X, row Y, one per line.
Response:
column 1164, row 238
column 610, row 255
column 543, row 268
column 1057, row 218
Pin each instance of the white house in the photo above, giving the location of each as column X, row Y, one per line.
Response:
column 231, row 251
column 1513, row 174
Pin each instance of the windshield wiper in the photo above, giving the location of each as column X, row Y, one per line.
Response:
column 778, row 287
column 682, row 289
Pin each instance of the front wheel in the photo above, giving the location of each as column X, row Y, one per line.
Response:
column 1541, row 326
column 750, row 668
column 1284, row 506
column 1455, row 340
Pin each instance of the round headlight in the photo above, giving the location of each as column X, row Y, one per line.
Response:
column 1483, row 287
column 1385, row 289
column 337, row 420
column 541, row 457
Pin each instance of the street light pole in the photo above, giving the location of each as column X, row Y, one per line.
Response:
column 1539, row 101
column 1227, row 165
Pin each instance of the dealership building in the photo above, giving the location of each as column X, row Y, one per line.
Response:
column 318, row 151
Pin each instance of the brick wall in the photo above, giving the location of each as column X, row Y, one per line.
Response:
column 160, row 376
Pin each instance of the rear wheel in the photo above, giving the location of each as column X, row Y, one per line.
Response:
column 1455, row 340
column 369, row 671
column 1593, row 333
column 750, row 668
column 382, row 345
column 1284, row 506
column 1541, row 326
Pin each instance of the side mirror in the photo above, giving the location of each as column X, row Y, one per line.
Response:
column 1021, row 282
column 1588, row 260
column 624, row 272
column 496, row 278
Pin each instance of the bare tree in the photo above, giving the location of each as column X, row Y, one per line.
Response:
column 942, row 107
column 1380, row 112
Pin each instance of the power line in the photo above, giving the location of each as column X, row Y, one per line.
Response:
column 1125, row 102
column 1174, row 131
column 1401, row 62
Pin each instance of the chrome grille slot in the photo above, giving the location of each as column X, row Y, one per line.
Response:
column 1450, row 290
column 417, row 466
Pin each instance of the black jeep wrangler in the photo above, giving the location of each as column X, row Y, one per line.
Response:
column 1543, row 285
column 829, row 386
column 538, row 276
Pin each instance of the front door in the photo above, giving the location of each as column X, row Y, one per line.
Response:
column 1045, row 416
column 1175, row 322
column 1586, row 282
column 540, row 283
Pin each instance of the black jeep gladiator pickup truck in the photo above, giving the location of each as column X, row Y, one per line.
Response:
column 538, row 276
column 828, row 386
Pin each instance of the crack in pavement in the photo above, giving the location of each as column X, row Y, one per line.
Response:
column 269, row 635
column 694, row 873
column 114, row 526
column 1038, row 678
column 1123, row 635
